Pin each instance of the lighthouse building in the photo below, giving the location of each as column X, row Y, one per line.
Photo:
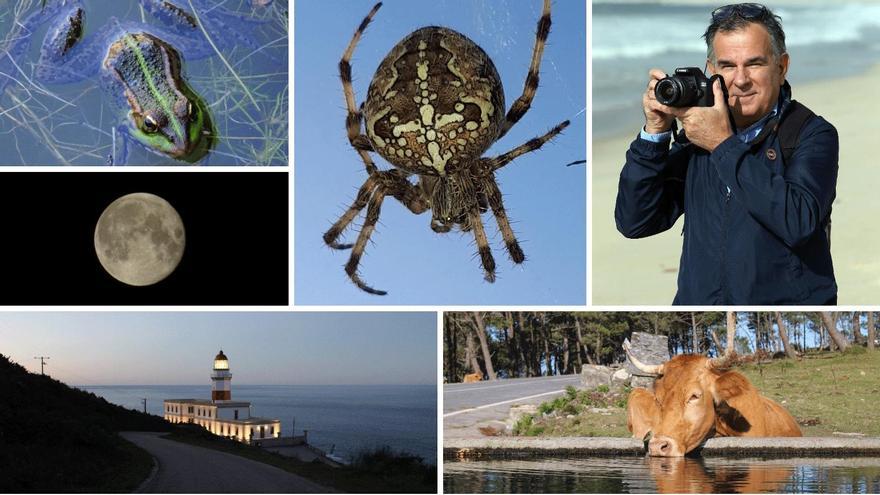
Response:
column 221, row 415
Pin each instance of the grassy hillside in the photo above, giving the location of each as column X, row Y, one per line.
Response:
column 829, row 392
column 826, row 393
column 54, row 438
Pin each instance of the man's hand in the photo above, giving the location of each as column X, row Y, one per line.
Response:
column 706, row 127
column 658, row 117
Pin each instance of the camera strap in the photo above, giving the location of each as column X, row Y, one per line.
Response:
column 788, row 130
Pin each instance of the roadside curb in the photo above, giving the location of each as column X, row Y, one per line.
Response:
column 489, row 447
column 150, row 477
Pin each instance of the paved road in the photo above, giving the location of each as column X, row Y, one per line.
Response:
column 186, row 468
column 467, row 406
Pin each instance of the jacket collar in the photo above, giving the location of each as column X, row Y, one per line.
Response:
column 784, row 104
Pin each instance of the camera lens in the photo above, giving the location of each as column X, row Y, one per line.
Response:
column 677, row 91
column 667, row 91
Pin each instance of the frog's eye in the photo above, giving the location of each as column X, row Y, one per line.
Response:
column 150, row 124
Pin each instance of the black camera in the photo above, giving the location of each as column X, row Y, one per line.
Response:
column 688, row 87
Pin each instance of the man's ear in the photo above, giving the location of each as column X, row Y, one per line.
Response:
column 710, row 67
column 783, row 65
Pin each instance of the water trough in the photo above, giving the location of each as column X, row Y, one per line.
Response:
column 464, row 448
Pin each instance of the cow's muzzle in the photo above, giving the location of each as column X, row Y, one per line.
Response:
column 663, row 446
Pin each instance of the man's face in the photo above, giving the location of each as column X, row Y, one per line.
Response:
column 752, row 74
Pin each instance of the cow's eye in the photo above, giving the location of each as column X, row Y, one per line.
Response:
column 695, row 397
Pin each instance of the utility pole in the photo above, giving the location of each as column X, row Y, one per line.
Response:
column 42, row 363
column 144, row 400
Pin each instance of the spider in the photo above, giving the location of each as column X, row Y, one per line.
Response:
column 434, row 106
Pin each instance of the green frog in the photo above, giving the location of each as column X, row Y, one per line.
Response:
column 164, row 113
column 138, row 64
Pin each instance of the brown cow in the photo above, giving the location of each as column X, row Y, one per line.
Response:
column 695, row 399
column 473, row 377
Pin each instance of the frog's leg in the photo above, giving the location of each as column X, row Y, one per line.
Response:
column 18, row 40
column 225, row 27
column 66, row 55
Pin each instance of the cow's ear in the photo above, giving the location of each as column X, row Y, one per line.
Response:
column 730, row 418
column 728, row 386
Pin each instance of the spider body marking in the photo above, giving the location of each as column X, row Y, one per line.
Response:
column 433, row 107
column 436, row 103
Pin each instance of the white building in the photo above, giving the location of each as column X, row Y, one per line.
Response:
column 221, row 415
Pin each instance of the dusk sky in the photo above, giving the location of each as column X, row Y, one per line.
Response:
column 175, row 348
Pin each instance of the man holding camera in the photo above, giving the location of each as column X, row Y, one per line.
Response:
column 753, row 171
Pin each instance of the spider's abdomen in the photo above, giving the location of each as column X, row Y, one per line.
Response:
column 435, row 103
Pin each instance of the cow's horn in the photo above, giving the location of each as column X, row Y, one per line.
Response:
column 722, row 362
column 650, row 369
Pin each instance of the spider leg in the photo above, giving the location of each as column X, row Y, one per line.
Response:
column 497, row 205
column 404, row 191
column 373, row 209
column 358, row 141
column 522, row 104
column 490, row 165
column 359, row 203
column 482, row 243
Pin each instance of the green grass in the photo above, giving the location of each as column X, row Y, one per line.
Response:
column 825, row 392
column 374, row 471
column 570, row 415
column 838, row 390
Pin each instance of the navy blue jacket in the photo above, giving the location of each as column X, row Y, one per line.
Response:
column 760, row 243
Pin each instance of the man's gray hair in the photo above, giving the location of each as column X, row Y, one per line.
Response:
column 737, row 21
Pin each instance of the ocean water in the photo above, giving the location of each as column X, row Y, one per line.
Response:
column 341, row 418
column 825, row 40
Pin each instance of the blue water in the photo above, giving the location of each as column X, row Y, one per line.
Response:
column 344, row 418
column 638, row 474
column 630, row 38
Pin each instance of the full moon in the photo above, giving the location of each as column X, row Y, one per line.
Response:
column 139, row 239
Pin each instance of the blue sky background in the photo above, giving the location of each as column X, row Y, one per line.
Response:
column 545, row 200
column 277, row 348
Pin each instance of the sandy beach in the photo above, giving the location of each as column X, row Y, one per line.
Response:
column 644, row 271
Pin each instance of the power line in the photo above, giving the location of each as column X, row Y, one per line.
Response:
column 42, row 363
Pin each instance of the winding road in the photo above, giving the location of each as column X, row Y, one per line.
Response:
column 468, row 406
column 185, row 468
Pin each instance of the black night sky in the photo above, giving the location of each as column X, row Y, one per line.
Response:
column 236, row 238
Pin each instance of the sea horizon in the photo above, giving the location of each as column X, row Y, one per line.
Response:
column 342, row 419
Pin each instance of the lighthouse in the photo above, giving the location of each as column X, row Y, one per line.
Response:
column 221, row 379
column 221, row 415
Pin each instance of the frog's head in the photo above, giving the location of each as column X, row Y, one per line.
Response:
column 165, row 114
